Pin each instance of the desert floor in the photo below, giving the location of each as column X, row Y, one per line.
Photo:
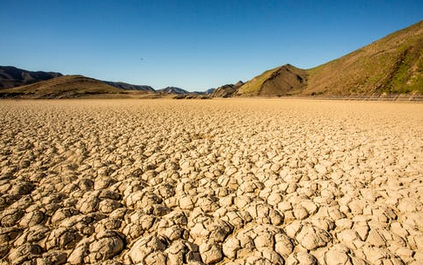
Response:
column 212, row 181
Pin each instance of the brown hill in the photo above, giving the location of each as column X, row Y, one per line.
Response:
column 391, row 65
column 280, row 81
column 70, row 86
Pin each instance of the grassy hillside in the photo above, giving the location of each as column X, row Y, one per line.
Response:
column 61, row 87
column 253, row 87
column 392, row 65
column 281, row 81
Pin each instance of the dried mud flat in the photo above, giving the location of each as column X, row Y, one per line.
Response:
column 205, row 182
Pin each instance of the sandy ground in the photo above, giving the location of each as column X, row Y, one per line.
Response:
column 212, row 181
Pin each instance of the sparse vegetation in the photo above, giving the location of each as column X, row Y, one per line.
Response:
column 252, row 87
column 391, row 65
column 280, row 81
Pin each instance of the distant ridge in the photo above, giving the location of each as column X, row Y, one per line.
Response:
column 74, row 86
column 173, row 90
column 11, row 76
column 210, row 91
column 127, row 86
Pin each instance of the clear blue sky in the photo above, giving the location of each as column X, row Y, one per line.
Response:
column 192, row 44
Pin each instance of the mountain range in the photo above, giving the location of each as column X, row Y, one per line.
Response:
column 20, row 83
column 392, row 65
column 12, row 77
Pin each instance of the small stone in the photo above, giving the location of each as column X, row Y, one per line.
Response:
column 144, row 247
column 156, row 258
column 208, row 204
column 32, row 218
column 88, row 204
column 53, row 258
column 344, row 223
column 10, row 217
column 405, row 254
column 193, row 255
column 293, row 228
column 7, row 234
column 174, row 232
column 109, row 205
column 272, row 256
column 300, row 213
column 21, row 188
column 33, row 234
column 230, row 247
column 175, row 252
column 199, row 231
column 302, row 258
column 80, row 252
column 362, row 230
column 63, row 213
column 375, row 238
column 219, row 230
column 264, row 240
column 283, row 245
column 274, row 199
column 185, row 203
column 310, row 206
column 24, row 253
column 348, row 237
column 312, row 237
column 337, row 255
column 107, row 245
column 64, row 238
column 210, row 253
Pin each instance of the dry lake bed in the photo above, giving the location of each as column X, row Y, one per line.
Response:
column 247, row 181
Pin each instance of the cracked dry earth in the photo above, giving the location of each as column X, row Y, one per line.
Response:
column 204, row 182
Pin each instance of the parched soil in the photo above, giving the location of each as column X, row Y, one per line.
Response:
column 237, row 181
